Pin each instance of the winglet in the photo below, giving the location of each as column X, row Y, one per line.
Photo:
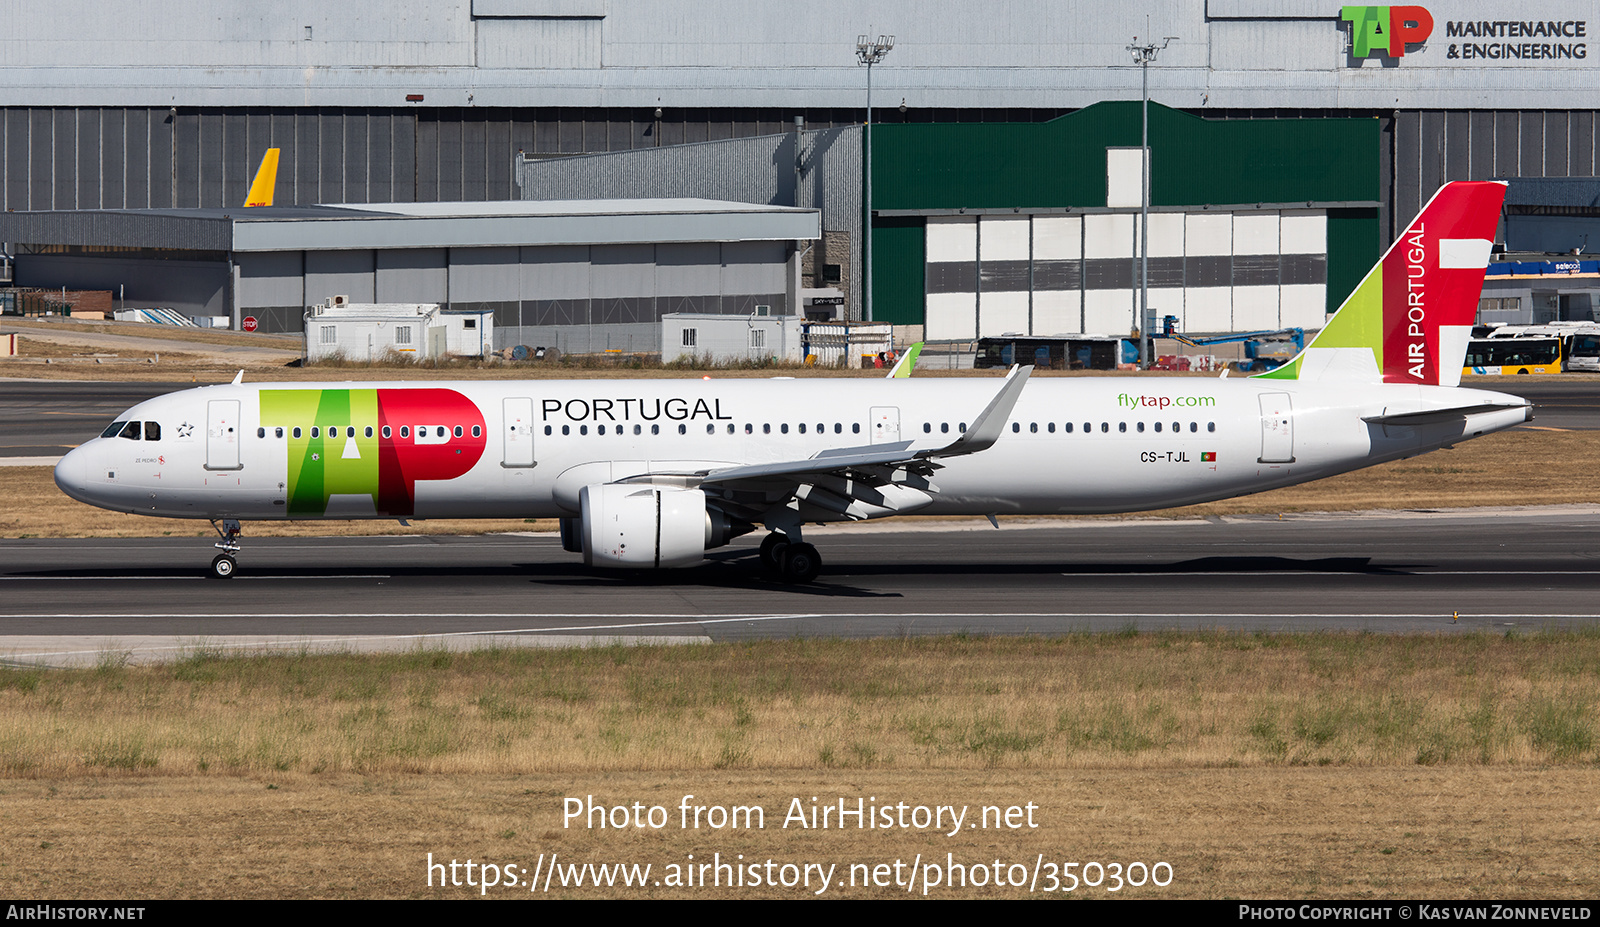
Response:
column 266, row 182
column 985, row 431
column 902, row 367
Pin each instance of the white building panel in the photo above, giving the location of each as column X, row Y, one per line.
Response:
column 1165, row 301
column 1208, row 309
column 1304, row 305
column 1108, row 312
column 1057, row 238
column 689, row 269
column 1206, row 234
column 1108, row 236
column 999, row 313
column 1255, row 308
column 952, row 317
column 1255, row 233
column 1124, row 182
column 1305, row 231
column 1003, row 239
column 1166, row 234
column 1057, row 312
column 1277, row 45
column 952, row 239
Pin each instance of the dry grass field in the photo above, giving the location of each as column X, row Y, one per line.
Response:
column 1295, row 766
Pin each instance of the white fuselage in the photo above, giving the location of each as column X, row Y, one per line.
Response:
column 1071, row 444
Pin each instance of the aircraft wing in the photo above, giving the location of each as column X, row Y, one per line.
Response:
column 861, row 474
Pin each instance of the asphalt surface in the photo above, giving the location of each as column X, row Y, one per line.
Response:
column 66, row 601
column 50, row 417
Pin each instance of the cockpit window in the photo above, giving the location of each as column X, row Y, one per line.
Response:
column 152, row 431
column 131, row 431
column 113, row 429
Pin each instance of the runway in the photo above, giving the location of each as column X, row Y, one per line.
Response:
column 71, row 601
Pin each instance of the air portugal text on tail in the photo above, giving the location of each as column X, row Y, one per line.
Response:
column 652, row 474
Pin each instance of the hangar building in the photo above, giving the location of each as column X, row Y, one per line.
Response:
column 1290, row 115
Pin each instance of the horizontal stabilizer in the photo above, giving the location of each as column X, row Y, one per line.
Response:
column 1435, row 416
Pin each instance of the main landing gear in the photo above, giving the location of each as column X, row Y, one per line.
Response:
column 223, row 566
column 793, row 563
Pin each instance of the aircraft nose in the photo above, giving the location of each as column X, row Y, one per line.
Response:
column 72, row 474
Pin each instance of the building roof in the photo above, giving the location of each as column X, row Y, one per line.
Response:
column 415, row 225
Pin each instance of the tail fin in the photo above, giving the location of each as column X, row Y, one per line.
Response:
column 266, row 181
column 1411, row 318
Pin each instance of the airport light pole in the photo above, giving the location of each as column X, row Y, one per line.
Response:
column 1143, row 55
column 868, row 52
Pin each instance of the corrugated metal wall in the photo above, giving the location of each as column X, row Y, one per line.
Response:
column 1435, row 146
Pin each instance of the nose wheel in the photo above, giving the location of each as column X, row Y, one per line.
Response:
column 225, row 564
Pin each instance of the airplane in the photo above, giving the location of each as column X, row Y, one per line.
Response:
column 653, row 474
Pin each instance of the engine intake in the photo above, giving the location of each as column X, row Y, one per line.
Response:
column 631, row 525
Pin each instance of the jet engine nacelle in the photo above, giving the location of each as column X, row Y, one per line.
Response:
column 645, row 526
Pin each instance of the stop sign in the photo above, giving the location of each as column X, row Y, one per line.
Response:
column 249, row 323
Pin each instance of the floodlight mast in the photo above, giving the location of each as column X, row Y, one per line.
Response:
column 868, row 52
column 1143, row 56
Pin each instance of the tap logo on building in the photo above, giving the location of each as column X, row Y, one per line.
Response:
column 1386, row 29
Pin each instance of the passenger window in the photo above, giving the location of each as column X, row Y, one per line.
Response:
column 711, row 429
column 638, row 430
column 261, row 432
column 1016, row 427
column 297, row 431
column 350, row 432
column 152, row 431
column 944, row 428
column 369, row 431
column 1033, row 427
column 1051, row 427
column 389, row 433
column 838, row 428
column 457, row 431
column 1193, row 427
column 766, row 429
column 582, row 430
column 548, row 429
column 113, row 429
column 440, row 432
column 1158, row 427
column 855, row 428
column 683, row 429
column 1139, row 428
column 730, row 428
column 1105, row 427
column 1067, row 428
column 316, row 432
column 277, row 432
column 566, row 429
column 131, row 431
column 802, row 427
column 655, row 429
column 748, row 428
column 784, row 428
column 1211, row 426
column 1122, row 427
column 405, row 431
column 477, row 431
column 963, row 427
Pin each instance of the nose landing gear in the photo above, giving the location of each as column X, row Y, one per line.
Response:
column 223, row 566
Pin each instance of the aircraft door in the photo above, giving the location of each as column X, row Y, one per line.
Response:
column 517, row 428
column 885, row 424
column 1277, row 429
column 222, row 434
